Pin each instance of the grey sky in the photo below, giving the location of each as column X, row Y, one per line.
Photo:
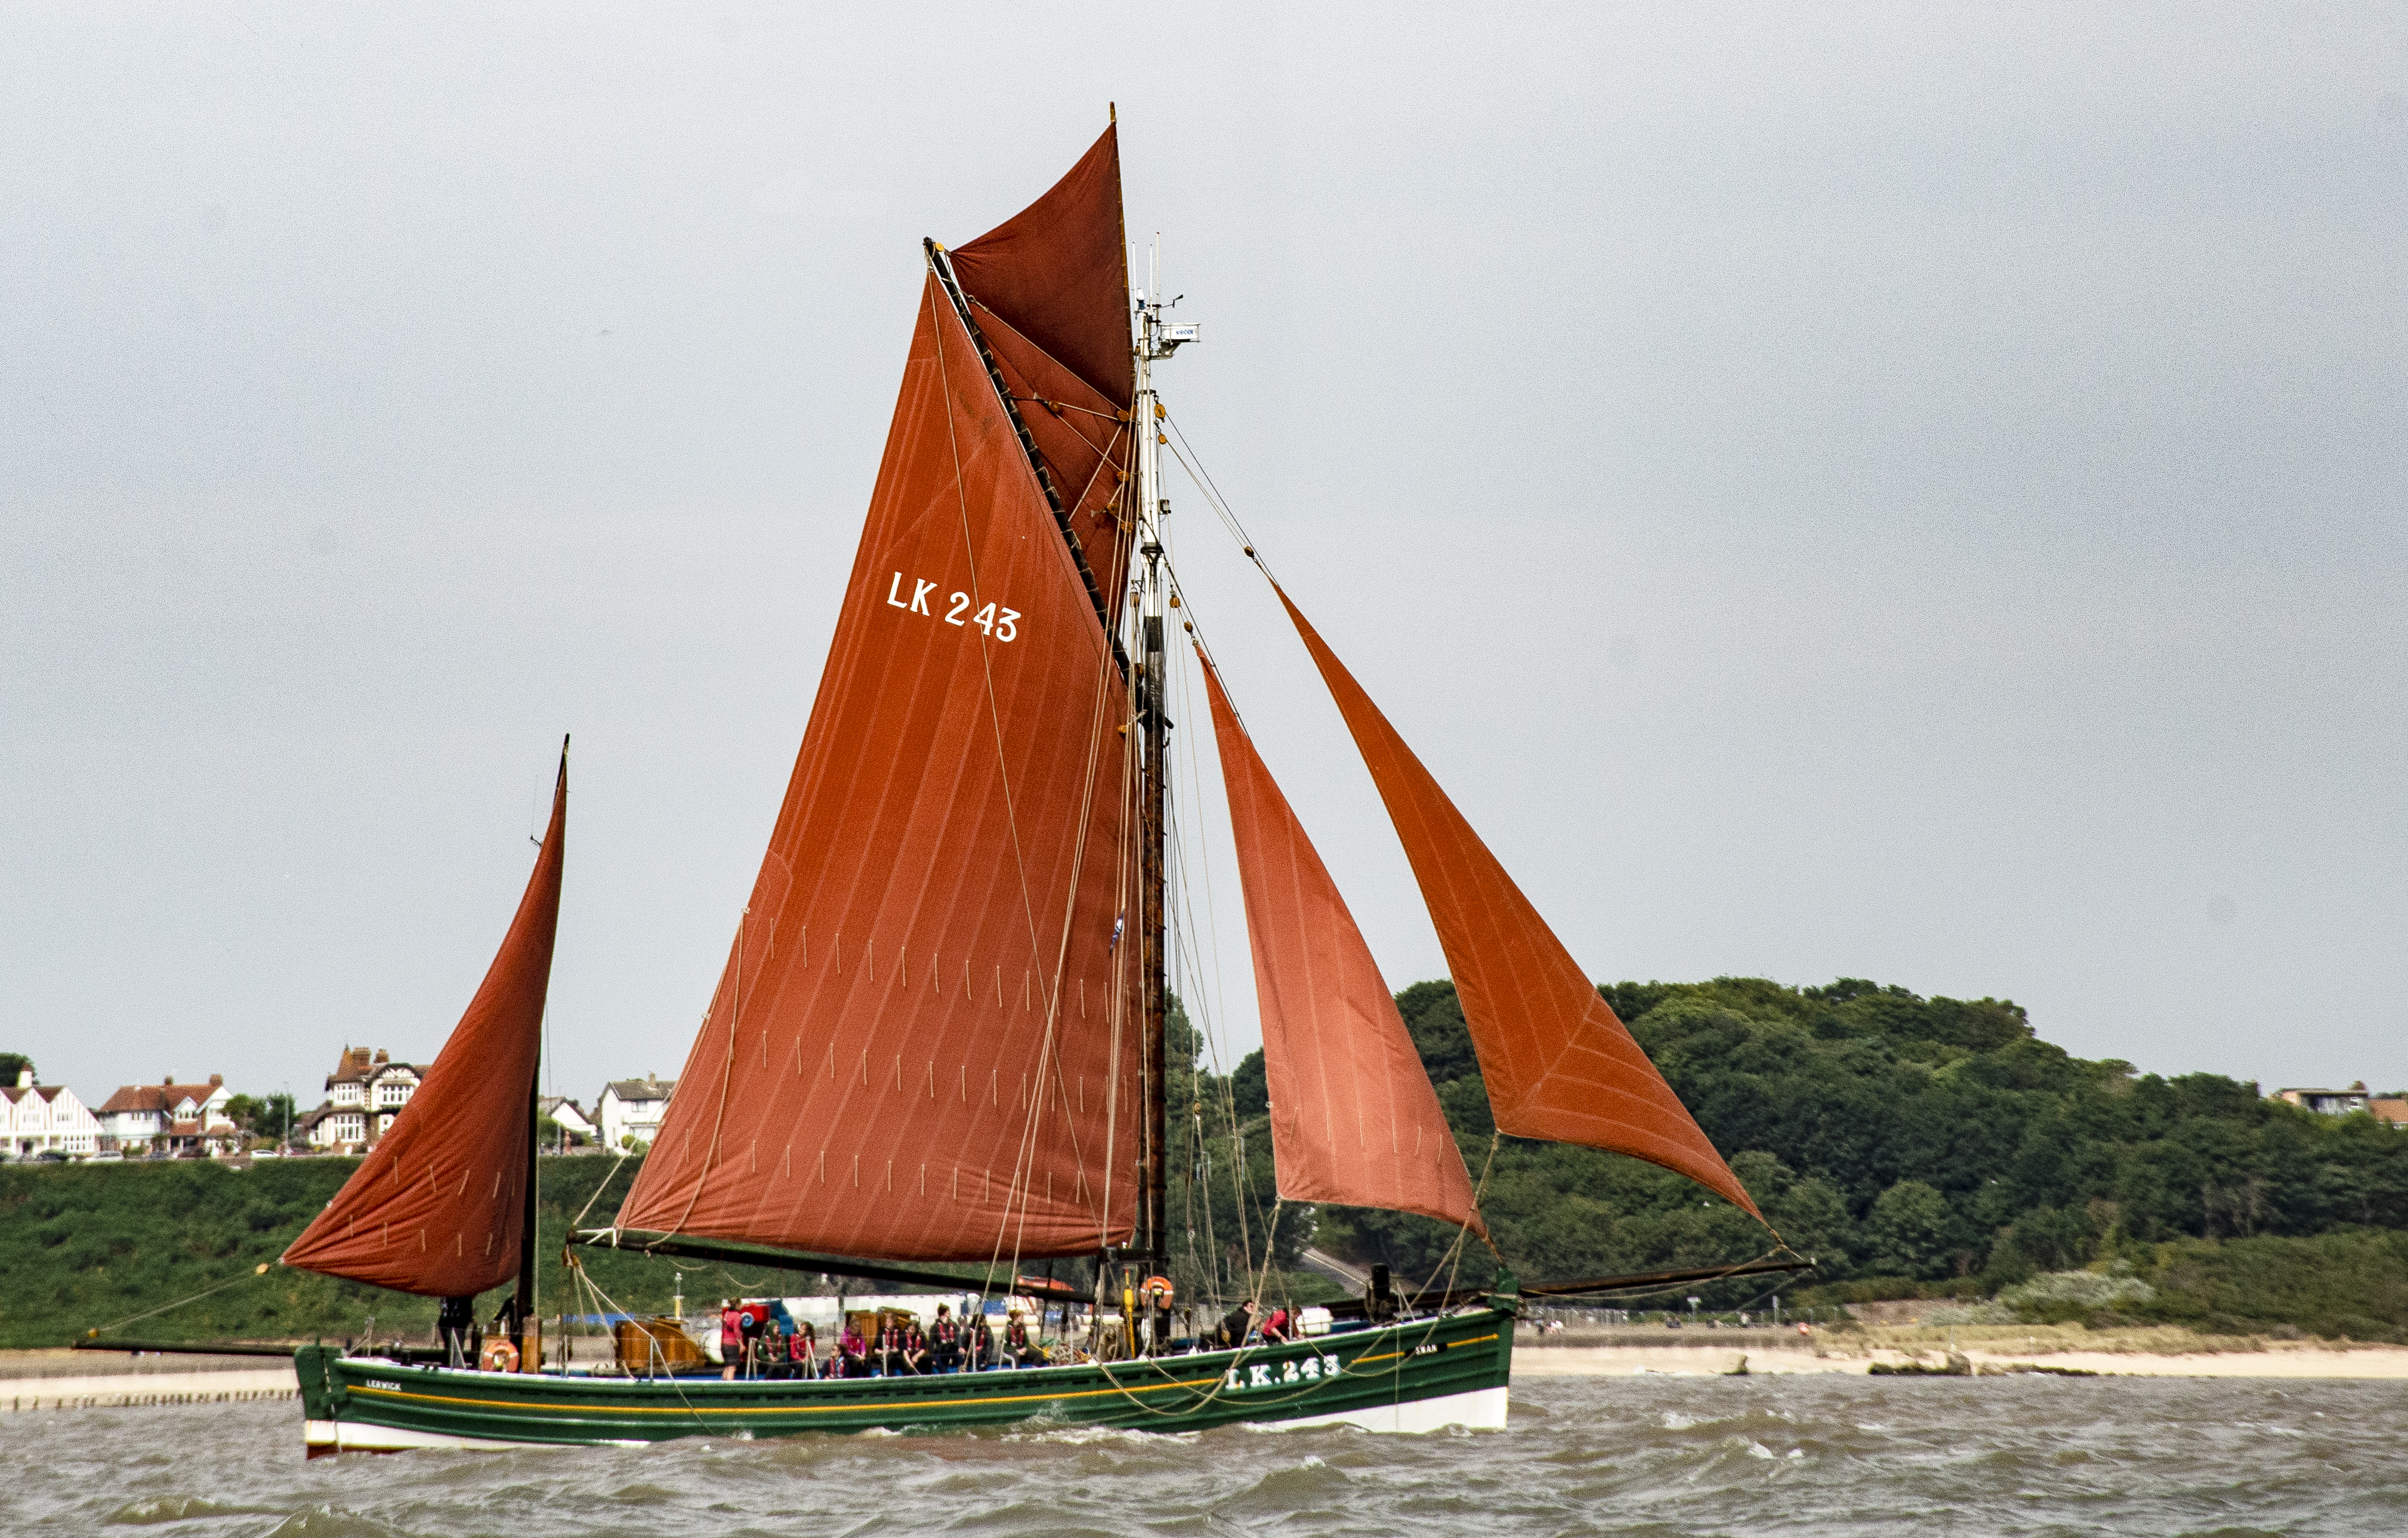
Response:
column 1899, row 491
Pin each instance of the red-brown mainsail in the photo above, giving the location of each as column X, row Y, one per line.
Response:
column 1556, row 1062
column 1354, row 1119
column 438, row 1206
column 922, row 1045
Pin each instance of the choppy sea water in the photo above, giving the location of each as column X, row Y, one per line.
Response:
column 1656, row 1456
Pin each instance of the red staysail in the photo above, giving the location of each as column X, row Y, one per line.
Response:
column 923, row 1045
column 1557, row 1064
column 1354, row 1119
column 437, row 1204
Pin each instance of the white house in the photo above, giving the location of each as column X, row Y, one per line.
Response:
column 569, row 1115
column 36, row 1119
column 181, row 1117
column 367, row 1090
column 342, row 1129
column 2328, row 1102
column 630, row 1109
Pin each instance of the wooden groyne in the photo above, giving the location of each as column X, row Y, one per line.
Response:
column 128, row 1390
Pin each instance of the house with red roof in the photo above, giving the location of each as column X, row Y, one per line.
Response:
column 363, row 1094
column 177, row 1118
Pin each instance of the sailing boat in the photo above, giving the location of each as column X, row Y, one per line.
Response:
column 938, row 1035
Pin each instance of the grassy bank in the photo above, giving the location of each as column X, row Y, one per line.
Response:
column 2350, row 1285
column 85, row 1245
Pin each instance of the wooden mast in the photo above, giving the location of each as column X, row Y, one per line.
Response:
column 1153, row 955
column 1152, row 926
column 1156, row 340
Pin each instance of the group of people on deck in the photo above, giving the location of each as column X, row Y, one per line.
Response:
column 755, row 1343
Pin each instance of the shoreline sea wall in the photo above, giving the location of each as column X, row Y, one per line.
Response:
column 71, row 1380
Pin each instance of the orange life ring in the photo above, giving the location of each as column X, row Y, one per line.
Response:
column 499, row 1356
column 1160, row 1290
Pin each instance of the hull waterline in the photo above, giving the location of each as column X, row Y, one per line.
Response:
column 1417, row 1376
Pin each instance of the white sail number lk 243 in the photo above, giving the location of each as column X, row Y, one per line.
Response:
column 1002, row 624
column 1311, row 1369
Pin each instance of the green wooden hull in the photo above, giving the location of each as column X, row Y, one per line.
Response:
column 1418, row 1375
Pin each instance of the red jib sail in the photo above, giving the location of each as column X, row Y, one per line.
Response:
column 925, row 1043
column 1354, row 1119
column 1556, row 1062
column 437, row 1204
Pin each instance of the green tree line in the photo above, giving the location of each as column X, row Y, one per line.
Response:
column 1906, row 1144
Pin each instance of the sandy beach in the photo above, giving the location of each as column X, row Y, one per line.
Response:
column 2160, row 1354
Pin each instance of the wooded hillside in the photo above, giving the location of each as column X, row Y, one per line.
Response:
column 1910, row 1146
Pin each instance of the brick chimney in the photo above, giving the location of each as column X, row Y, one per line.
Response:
column 217, row 1081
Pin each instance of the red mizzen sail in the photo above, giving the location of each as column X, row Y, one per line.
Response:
column 1556, row 1062
column 437, row 1206
column 1354, row 1119
column 923, row 1045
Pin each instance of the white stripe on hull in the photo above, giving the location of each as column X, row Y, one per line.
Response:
column 1479, row 1409
column 352, row 1436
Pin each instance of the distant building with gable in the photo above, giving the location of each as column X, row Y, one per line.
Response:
column 39, row 1119
column 630, row 1109
column 570, row 1116
column 171, row 1118
column 2391, row 1110
column 2328, row 1102
column 363, row 1094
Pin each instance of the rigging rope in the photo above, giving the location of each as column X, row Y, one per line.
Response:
column 1212, row 498
column 607, row 1179
column 253, row 1275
